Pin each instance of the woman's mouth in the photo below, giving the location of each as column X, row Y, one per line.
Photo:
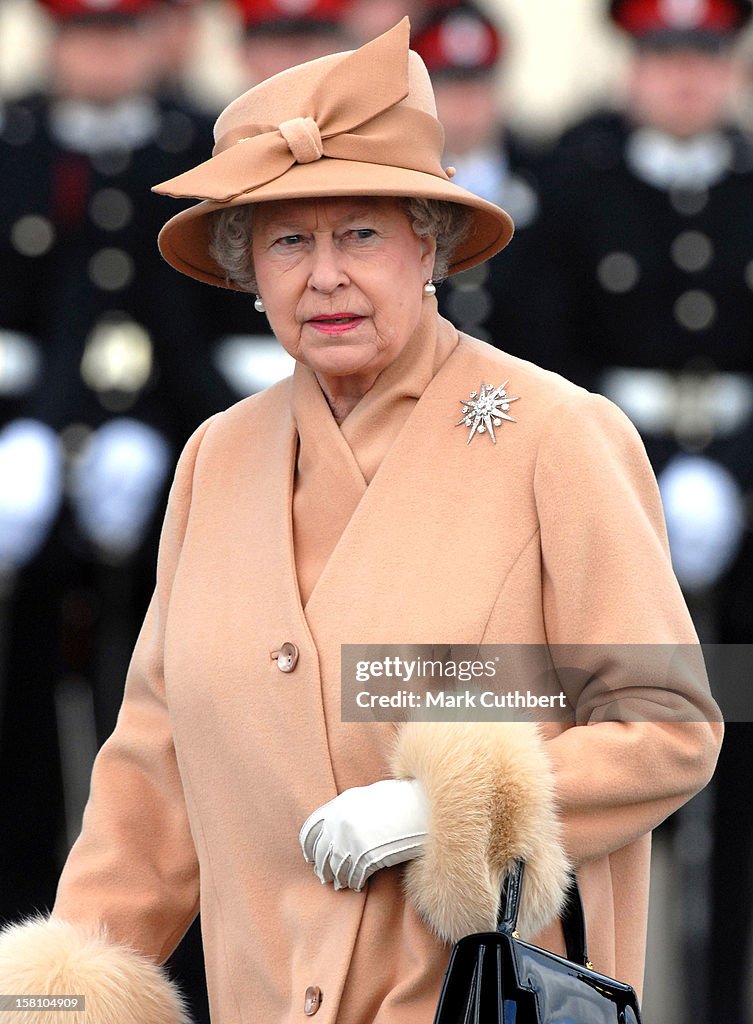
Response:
column 336, row 323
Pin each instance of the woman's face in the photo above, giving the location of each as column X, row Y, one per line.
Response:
column 342, row 281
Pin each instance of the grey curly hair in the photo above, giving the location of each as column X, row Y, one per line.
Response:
column 230, row 236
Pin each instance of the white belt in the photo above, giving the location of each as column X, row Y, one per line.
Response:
column 689, row 405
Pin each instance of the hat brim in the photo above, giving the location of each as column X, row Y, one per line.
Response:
column 184, row 240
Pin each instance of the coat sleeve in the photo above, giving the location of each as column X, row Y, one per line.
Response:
column 134, row 865
column 130, row 886
column 648, row 731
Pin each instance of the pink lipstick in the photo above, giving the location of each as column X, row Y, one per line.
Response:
column 335, row 323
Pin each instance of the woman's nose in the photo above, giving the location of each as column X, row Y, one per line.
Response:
column 327, row 267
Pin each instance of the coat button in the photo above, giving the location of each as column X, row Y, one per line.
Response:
column 286, row 657
column 312, row 1000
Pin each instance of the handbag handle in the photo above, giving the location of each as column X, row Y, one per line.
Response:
column 572, row 918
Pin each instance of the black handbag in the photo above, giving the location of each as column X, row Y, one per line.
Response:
column 497, row 978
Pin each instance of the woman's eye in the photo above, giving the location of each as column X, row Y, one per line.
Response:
column 288, row 242
column 358, row 234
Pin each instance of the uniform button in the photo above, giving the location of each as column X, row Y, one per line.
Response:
column 695, row 310
column 111, row 269
column 32, row 235
column 692, row 251
column 312, row 1000
column 111, row 209
column 618, row 272
column 286, row 658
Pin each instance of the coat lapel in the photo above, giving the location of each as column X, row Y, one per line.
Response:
column 427, row 547
column 337, row 464
column 328, row 486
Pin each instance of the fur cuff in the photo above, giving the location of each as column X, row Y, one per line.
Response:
column 491, row 797
column 49, row 956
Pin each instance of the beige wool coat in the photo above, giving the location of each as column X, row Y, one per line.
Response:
column 283, row 526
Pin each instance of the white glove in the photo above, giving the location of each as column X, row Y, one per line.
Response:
column 31, row 468
column 364, row 829
column 116, row 484
column 705, row 518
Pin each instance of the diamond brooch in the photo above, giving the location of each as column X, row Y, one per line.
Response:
column 485, row 409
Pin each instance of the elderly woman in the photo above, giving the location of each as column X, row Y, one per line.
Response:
column 385, row 493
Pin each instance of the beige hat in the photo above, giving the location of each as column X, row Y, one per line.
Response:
column 360, row 123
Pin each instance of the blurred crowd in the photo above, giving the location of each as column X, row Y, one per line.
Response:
column 631, row 272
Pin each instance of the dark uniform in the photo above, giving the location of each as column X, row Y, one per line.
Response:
column 648, row 263
column 500, row 301
column 119, row 338
column 463, row 51
column 657, row 275
column 31, row 798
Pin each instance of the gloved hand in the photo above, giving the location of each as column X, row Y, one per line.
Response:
column 30, row 489
column 364, row 829
column 705, row 518
column 116, row 484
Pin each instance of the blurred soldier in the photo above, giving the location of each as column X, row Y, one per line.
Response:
column 651, row 259
column 281, row 33
column 464, row 52
column 652, row 251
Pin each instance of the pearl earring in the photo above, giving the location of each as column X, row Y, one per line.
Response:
column 430, row 288
column 259, row 305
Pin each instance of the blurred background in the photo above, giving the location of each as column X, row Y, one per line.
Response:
column 620, row 137
column 564, row 56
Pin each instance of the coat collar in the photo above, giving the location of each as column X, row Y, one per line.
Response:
column 336, row 464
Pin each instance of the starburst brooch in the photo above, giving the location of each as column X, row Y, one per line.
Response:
column 486, row 409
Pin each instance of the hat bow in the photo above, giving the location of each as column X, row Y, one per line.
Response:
column 303, row 138
column 352, row 116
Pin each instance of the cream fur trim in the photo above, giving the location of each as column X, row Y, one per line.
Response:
column 48, row 956
column 491, row 796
